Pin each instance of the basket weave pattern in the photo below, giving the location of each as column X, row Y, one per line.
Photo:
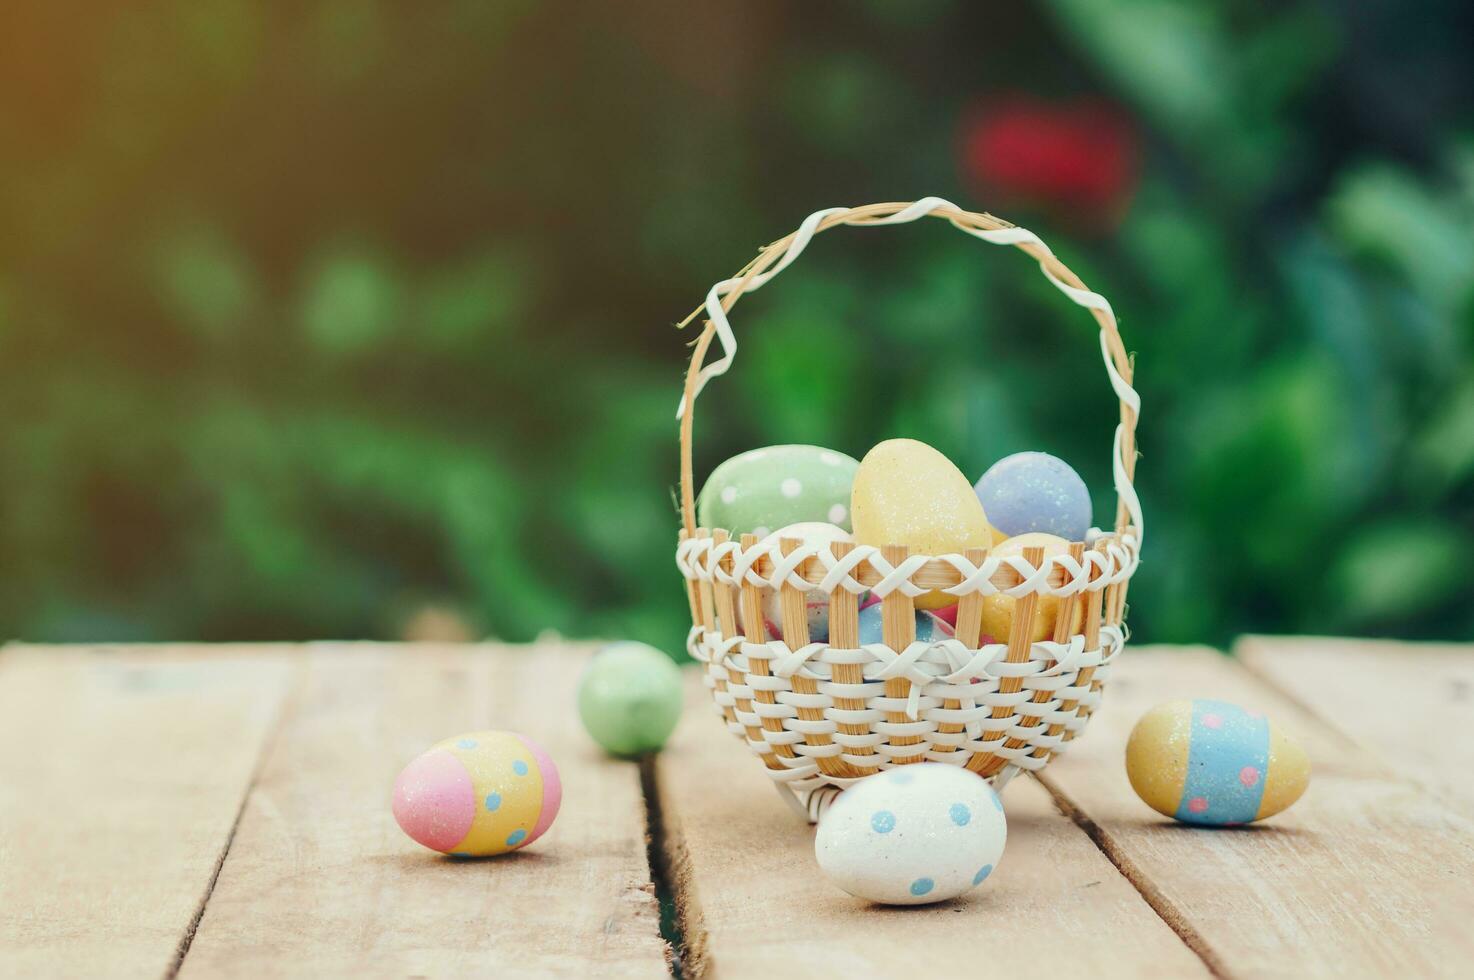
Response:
column 823, row 714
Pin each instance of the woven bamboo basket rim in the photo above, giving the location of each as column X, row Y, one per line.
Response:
column 822, row 714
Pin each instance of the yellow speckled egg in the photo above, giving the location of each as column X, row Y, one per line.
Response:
column 1214, row 763
column 478, row 794
column 907, row 493
column 998, row 610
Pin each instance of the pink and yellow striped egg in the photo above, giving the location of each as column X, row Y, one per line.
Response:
column 478, row 794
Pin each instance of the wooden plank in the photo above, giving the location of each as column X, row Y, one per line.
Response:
column 752, row 902
column 122, row 774
column 320, row 880
column 1367, row 875
column 1347, row 685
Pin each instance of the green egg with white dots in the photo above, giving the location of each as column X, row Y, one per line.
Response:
column 765, row 489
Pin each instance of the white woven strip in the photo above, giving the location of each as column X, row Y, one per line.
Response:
column 1004, row 236
column 941, row 672
column 701, row 558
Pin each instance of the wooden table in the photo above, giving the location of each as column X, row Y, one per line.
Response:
column 224, row 811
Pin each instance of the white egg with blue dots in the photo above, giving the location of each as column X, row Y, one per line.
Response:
column 913, row 835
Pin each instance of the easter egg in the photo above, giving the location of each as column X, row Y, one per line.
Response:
column 907, row 493
column 929, row 627
column 478, row 794
column 999, row 609
column 1035, row 492
column 1214, row 763
column 816, row 603
column 947, row 614
column 629, row 698
column 772, row 487
column 912, row 835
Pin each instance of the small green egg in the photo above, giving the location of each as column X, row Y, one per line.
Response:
column 629, row 698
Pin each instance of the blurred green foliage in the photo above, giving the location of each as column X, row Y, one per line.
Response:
column 315, row 315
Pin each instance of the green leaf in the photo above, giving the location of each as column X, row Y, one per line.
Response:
column 1445, row 448
column 352, row 301
column 801, row 362
column 208, row 282
column 471, row 301
column 1426, row 234
column 835, row 98
column 1400, row 569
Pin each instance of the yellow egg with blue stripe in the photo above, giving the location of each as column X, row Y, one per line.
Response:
column 478, row 794
column 1214, row 763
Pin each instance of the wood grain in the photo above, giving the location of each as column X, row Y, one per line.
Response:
column 753, row 903
column 320, row 880
column 1368, row 875
column 122, row 774
column 1347, row 684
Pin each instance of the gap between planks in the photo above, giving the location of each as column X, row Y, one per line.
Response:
column 140, row 755
column 670, row 869
column 284, row 712
column 664, row 870
column 1169, row 913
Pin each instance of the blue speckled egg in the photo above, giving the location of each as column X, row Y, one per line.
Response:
column 929, row 626
column 1029, row 492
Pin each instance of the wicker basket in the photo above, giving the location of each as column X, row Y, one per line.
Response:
column 821, row 715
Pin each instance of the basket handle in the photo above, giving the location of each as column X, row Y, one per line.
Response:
column 776, row 257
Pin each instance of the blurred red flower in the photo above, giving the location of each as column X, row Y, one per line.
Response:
column 1080, row 155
